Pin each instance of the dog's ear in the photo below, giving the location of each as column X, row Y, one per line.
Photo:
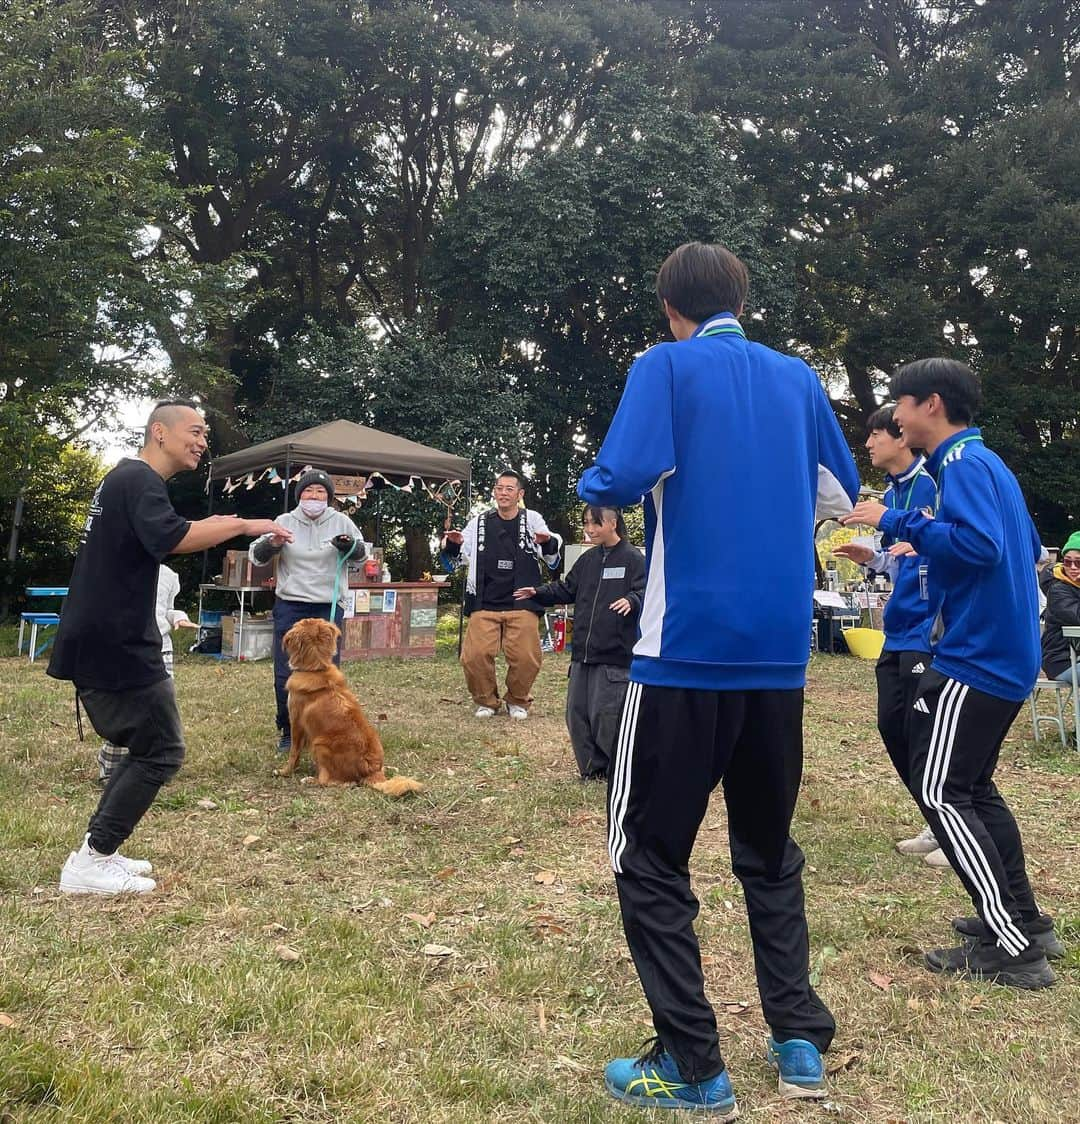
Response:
column 336, row 630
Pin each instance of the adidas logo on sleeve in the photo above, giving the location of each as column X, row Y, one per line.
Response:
column 920, row 706
column 918, row 669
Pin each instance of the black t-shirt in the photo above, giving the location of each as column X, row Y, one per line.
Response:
column 108, row 637
column 502, row 571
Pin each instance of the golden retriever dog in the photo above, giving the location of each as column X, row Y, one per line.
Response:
column 326, row 718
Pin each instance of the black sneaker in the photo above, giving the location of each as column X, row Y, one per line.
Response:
column 988, row 962
column 1040, row 932
column 284, row 745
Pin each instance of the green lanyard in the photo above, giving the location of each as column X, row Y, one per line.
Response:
column 911, row 489
column 941, row 473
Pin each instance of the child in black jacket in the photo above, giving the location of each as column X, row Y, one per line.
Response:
column 605, row 586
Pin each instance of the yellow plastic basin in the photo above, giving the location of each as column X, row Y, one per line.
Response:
column 866, row 643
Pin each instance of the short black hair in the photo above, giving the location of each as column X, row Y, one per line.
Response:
column 597, row 513
column 700, row 279
column 514, row 473
column 882, row 418
column 165, row 412
column 955, row 383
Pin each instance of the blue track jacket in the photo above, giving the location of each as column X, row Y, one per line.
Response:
column 731, row 444
column 982, row 548
column 909, row 615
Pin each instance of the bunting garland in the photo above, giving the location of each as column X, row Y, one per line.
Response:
column 447, row 493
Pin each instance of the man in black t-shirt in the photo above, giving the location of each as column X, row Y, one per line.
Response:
column 109, row 646
column 503, row 549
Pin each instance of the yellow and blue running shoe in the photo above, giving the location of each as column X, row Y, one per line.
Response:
column 800, row 1070
column 653, row 1081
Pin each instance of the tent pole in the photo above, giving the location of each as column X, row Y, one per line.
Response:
column 288, row 474
column 209, row 512
column 461, row 606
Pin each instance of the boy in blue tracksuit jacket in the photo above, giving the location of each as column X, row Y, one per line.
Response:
column 732, row 445
column 909, row 612
column 981, row 548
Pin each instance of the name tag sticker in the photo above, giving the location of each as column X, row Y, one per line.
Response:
column 506, row 563
column 613, row 572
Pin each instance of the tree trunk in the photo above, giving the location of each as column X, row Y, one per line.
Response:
column 417, row 552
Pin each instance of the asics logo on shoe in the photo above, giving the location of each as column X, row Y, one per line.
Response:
column 920, row 705
column 653, row 1085
column 918, row 669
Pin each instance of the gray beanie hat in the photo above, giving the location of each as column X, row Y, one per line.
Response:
column 315, row 476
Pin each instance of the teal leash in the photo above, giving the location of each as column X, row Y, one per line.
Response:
column 337, row 579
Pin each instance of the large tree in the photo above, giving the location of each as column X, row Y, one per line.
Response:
column 76, row 185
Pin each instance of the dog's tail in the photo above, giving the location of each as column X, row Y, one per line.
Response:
column 395, row 786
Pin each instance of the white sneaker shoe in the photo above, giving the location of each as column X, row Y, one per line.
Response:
column 87, row 872
column 518, row 712
column 921, row 844
column 132, row 866
column 484, row 712
column 936, row 858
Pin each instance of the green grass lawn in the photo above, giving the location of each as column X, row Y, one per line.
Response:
column 332, row 955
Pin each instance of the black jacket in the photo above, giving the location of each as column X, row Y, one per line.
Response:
column 601, row 635
column 1062, row 608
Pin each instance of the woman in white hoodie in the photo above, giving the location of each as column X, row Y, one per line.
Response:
column 307, row 568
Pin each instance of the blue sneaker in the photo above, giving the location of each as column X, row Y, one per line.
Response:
column 653, row 1081
column 801, row 1071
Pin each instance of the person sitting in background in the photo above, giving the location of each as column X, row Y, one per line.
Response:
column 605, row 586
column 1062, row 610
column 167, row 618
column 308, row 565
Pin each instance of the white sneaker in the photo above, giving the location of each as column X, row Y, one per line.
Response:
column 132, row 866
column 484, row 712
column 87, row 872
column 936, row 858
column 921, row 844
column 518, row 712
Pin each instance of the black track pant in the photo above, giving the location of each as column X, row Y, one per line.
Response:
column 898, row 675
column 675, row 746
column 146, row 720
column 956, row 736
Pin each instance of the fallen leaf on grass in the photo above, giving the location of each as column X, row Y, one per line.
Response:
column 880, row 981
column 424, row 920
column 250, row 840
column 510, row 840
column 276, row 927
column 517, row 852
column 380, row 717
column 438, row 950
column 446, row 872
column 541, row 1017
column 736, row 1007
column 286, row 952
column 206, row 804
column 839, row 1064
column 545, row 877
column 6, row 1020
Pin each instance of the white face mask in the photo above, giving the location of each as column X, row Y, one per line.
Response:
column 313, row 508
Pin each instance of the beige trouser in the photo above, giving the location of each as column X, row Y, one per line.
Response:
column 517, row 633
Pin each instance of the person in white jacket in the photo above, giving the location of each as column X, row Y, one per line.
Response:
column 503, row 549
column 307, row 569
column 167, row 617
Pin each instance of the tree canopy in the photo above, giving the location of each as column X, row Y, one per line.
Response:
column 445, row 218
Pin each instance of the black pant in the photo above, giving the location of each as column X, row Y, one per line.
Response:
column 675, row 745
column 286, row 614
column 898, row 675
column 144, row 719
column 594, row 701
column 956, row 736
